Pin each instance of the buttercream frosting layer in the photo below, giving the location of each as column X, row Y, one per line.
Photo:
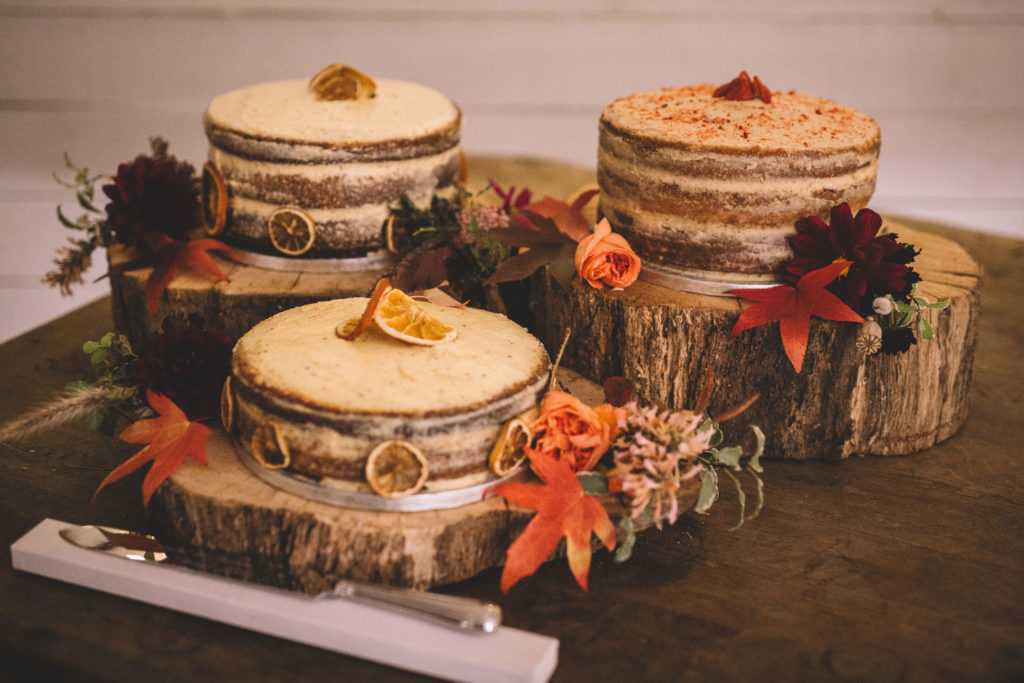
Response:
column 284, row 121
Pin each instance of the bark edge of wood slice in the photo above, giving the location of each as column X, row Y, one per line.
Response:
column 225, row 520
column 841, row 403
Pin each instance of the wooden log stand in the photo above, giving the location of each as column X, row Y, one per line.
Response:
column 841, row 403
column 223, row 519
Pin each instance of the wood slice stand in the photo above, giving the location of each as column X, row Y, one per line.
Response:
column 841, row 403
column 249, row 295
column 224, row 519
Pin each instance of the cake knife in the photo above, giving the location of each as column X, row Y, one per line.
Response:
column 464, row 614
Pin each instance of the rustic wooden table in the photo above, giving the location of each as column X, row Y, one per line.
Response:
column 881, row 569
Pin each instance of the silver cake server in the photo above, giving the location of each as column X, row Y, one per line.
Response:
column 464, row 614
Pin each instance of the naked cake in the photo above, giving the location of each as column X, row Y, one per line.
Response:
column 298, row 170
column 302, row 398
column 709, row 187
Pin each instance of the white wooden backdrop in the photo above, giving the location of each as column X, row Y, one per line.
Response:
column 97, row 78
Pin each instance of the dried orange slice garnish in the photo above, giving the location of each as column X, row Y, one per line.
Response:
column 291, row 231
column 509, row 450
column 399, row 316
column 215, row 200
column 269, row 446
column 350, row 329
column 342, row 82
column 227, row 406
column 396, row 468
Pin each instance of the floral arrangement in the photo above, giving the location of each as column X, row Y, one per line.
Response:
column 154, row 211
column 471, row 247
column 168, row 391
column 844, row 270
column 637, row 452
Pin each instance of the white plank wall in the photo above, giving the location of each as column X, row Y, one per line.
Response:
column 943, row 78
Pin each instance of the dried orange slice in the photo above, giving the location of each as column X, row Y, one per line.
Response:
column 291, row 231
column 509, row 450
column 350, row 329
column 269, row 446
column 215, row 200
column 227, row 406
column 399, row 316
column 342, row 82
column 396, row 468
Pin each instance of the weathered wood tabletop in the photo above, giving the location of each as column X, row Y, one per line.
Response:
column 880, row 569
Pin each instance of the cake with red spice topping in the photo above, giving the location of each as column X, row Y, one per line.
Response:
column 708, row 186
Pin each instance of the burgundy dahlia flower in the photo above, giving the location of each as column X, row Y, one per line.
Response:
column 152, row 196
column 188, row 363
column 880, row 264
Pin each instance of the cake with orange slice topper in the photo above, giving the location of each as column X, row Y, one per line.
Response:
column 307, row 169
column 706, row 182
column 389, row 395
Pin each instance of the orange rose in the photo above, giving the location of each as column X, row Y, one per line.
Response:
column 605, row 258
column 570, row 431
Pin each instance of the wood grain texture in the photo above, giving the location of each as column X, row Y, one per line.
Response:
column 841, row 402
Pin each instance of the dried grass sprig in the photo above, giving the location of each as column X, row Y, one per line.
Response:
column 56, row 413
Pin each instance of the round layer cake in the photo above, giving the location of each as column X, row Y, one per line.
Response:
column 325, row 403
column 337, row 163
column 710, row 188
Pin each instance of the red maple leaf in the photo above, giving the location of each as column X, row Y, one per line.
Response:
column 568, row 218
column 793, row 308
column 563, row 510
column 171, row 437
column 171, row 254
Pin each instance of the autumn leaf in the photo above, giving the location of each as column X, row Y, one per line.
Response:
column 793, row 308
column 172, row 255
column 567, row 217
column 617, row 390
column 563, row 510
column 171, row 437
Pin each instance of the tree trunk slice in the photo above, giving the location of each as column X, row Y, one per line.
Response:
column 249, row 295
column 841, row 403
column 223, row 519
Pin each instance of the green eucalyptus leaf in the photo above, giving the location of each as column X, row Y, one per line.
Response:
column 83, row 201
column 106, row 339
column 759, row 501
column 939, row 305
column 729, row 456
column 926, row 329
column 755, row 460
column 708, row 489
column 98, row 357
column 921, row 301
column 741, row 499
column 67, row 222
column 625, row 549
column 90, row 346
column 904, row 307
column 593, row 483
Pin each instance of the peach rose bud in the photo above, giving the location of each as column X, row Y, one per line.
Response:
column 605, row 258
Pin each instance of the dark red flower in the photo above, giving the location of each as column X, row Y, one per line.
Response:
column 152, row 196
column 879, row 262
column 188, row 363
